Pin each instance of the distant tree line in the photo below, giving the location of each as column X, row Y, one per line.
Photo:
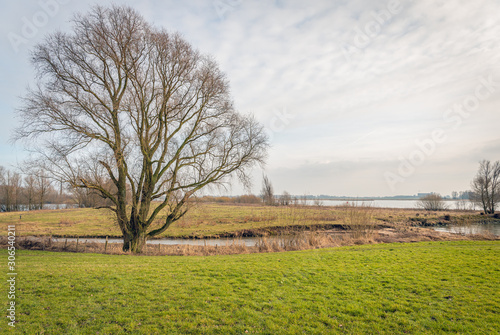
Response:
column 285, row 199
column 266, row 197
column 33, row 189
column 241, row 199
column 27, row 191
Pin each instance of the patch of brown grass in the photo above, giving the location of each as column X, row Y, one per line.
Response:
column 358, row 219
column 295, row 241
column 66, row 222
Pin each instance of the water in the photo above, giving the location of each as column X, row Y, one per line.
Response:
column 406, row 204
column 59, row 206
column 248, row 241
column 24, row 208
column 252, row 241
column 493, row 228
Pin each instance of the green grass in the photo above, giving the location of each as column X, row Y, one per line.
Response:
column 421, row 288
column 202, row 220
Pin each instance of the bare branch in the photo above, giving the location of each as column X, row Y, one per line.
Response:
column 135, row 114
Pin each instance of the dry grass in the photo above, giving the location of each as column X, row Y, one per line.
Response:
column 45, row 243
column 298, row 240
column 358, row 219
column 295, row 241
column 66, row 222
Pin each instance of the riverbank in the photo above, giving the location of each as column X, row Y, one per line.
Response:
column 231, row 221
column 291, row 241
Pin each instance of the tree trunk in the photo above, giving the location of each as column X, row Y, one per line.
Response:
column 134, row 242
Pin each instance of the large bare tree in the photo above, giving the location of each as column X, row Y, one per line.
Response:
column 486, row 186
column 135, row 112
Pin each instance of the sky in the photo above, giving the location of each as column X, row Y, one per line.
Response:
column 359, row 98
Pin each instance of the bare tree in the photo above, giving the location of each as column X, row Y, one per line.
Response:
column 486, row 186
column 3, row 205
column 317, row 202
column 14, row 190
column 42, row 187
column 30, row 191
column 267, row 192
column 88, row 198
column 302, row 201
column 10, row 190
column 432, row 202
column 84, row 197
column 37, row 187
column 119, row 101
column 285, row 199
column 464, row 201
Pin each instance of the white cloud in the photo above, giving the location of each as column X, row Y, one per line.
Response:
column 353, row 116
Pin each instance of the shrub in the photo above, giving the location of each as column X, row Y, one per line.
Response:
column 248, row 199
column 432, row 202
column 358, row 219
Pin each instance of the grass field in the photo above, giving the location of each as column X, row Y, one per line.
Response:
column 418, row 288
column 203, row 220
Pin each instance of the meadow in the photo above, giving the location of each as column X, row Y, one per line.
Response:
column 417, row 288
column 220, row 220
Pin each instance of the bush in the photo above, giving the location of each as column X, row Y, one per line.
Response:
column 248, row 199
column 358, row 219
column 242, row 199
column 432, row 202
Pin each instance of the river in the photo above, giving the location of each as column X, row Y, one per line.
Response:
column 408, row 204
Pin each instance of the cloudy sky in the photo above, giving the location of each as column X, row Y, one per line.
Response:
column 360, row 98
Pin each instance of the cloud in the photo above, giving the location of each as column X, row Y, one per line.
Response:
column 356, row 107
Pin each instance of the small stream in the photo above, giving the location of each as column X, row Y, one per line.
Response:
column 493, row 228
column 248, row 241
column 251, row 241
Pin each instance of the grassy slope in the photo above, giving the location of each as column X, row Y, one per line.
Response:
column 393, row 288
column 203, row 220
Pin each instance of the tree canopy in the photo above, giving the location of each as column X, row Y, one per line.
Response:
column 136, row 114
